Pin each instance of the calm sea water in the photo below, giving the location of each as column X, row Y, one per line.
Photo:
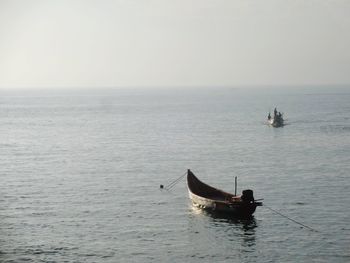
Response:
column 80, row 174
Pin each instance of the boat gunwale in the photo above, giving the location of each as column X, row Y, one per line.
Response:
column 225, row 202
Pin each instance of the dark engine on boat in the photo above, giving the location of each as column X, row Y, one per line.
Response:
column 247, row 196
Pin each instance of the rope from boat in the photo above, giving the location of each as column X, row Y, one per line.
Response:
column 291, row 219
column 173, row 183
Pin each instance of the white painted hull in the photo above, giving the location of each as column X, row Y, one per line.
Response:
column 274, row 123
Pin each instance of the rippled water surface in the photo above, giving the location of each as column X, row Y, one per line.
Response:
column 80, row 174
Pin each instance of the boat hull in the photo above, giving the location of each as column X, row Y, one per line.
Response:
column 209, row 198
column 275, row 123
column 238, row 209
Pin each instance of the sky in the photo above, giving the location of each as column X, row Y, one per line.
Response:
column 163, row 43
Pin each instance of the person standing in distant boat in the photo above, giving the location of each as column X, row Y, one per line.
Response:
column 275, row 112
column 279, row 115
column 269, row 116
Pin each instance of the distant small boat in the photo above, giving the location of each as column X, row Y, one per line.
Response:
column 209, row 198
column 277, row 119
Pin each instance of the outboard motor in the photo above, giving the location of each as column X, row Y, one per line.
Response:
column 247, row 196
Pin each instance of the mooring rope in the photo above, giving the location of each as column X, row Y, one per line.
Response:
column 291, row 219
column 173, row 183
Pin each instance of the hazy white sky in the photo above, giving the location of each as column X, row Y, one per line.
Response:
column 77, row 43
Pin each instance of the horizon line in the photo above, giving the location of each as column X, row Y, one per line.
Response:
column 178, row 86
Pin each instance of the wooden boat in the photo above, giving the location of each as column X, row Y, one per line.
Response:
column 209, row 198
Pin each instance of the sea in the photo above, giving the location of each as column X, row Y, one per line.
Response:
column 81, row 169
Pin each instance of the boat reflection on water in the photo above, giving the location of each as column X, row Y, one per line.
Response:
column 219, row 217
column 232, row 231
